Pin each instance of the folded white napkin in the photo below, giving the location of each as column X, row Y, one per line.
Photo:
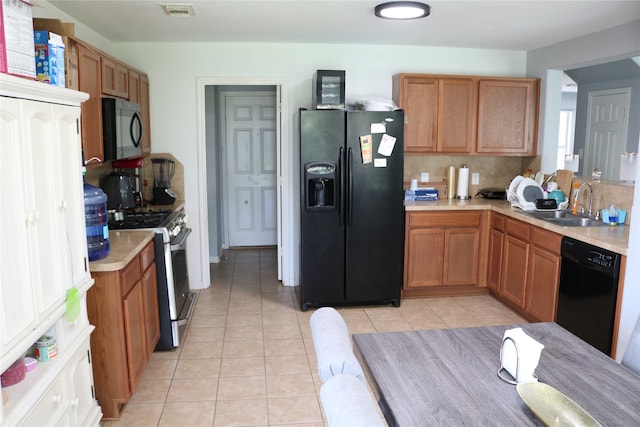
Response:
column 520, row 355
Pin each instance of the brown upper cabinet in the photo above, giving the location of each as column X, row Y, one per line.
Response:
column 440, row 112
column 89, row 81
column 507, row 116
column 99, row 75
column 115, row 78
column 139, row 93
column 468, row 114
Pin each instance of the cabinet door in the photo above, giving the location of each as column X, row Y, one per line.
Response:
column 70, row 195
column 41, row 180
column 543, row 275
column 494, row 273
column 134, row 323
column 18, row 314
column 134, row 86
column 514, row 268
column 80, row 380
column 419, row 99
column 507, row 111
column 151, row 315
column 145, row 114
column 115, row 78
column 456, row 115
column 425, row 249
column 460, row 256
column 89, row 81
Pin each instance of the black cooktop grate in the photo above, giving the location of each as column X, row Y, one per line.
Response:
column 136, row 219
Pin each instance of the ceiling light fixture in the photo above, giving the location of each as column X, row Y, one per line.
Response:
column 402, row 10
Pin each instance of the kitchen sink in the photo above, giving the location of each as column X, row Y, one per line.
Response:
column 575, row 222
column 551, row 214
column 564, row 218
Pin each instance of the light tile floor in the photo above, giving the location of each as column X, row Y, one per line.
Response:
column 248, row 357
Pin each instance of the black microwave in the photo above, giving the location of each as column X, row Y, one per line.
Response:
column 121, row 129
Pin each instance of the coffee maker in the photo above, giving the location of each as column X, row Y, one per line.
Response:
column 132, row 168
column 163, row 171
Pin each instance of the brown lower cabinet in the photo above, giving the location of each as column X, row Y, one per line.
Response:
column 123, row 306
column 524, row 267
column 441, row 252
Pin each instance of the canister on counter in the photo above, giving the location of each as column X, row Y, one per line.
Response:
column 46, row 348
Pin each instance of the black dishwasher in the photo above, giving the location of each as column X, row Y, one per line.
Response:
column 588, row 292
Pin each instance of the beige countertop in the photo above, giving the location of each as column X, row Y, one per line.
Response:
column 125, row 245
column 615, row 239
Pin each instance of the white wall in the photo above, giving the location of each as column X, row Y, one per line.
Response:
column 173, row 69
column 597, row 48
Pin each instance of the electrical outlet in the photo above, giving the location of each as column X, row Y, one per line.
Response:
column 424, row 177
column 475, row 178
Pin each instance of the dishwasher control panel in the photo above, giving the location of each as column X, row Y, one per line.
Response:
column 602, row 259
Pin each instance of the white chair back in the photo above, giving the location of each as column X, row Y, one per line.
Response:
column 631, row 358
column 332, row 343
column 347, row 403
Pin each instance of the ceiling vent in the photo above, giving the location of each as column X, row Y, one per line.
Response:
column 179, row 10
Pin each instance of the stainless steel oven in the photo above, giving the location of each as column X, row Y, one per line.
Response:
column 175, row 301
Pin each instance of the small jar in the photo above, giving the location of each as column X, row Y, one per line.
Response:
column 46, row 348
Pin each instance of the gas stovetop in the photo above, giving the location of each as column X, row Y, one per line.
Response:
column 141, row 219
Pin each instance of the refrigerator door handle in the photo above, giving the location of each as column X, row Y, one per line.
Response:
column 340, row 186
column 350, row 186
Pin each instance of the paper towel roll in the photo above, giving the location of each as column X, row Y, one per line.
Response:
column 451, row 182
column 463, row 183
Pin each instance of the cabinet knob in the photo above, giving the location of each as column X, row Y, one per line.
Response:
column 63, row 204
column 57, row 399
column 75, row 402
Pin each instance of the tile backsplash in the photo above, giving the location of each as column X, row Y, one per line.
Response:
column 499, row 171
column 494, row 171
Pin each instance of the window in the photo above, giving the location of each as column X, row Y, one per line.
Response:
column 565, row 136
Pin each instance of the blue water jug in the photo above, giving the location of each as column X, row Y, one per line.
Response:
column 97, row 222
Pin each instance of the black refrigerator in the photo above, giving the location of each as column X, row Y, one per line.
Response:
column 351, row 207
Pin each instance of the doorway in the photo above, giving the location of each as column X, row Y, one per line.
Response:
column 606, row 136
column 211, row 176
column 248, row 141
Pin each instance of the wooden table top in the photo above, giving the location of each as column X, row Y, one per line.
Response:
column 449, row 377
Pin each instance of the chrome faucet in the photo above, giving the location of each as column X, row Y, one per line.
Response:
column 590, row 196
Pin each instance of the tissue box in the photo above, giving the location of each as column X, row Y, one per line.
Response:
column 421, row 194
column 49, row 52
column 16, row 39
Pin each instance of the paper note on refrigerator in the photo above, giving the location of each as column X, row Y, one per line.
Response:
column 366, row 147
column 378, row 128
column 386, row 145
column 380, row 163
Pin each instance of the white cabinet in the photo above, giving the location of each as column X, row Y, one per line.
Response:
column 43, row 253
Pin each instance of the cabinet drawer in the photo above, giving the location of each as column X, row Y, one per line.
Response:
column 49, row 407
column 444, row 219
column 546, row 240
column 497, row 222
column 147, row 255
column 130, row 275
column 517, row 229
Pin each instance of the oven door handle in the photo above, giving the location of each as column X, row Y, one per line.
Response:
column 180, row 239
column 192, row 303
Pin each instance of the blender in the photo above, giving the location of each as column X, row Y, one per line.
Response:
column 163, row 171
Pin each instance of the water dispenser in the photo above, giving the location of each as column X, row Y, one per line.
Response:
column 320, row 185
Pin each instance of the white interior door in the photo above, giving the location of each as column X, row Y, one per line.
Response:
column 606, row 131
column 251, row 178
